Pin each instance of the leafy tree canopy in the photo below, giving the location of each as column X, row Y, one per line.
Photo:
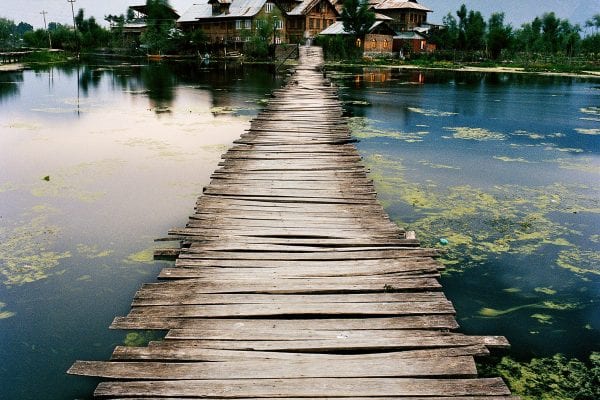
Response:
column 357, row 17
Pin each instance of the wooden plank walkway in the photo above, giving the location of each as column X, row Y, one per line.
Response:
column 292, row 282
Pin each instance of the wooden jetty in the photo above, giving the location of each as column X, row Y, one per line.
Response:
column 292, row 282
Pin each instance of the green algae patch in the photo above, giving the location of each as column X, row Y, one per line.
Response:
column 477, row 134
column 141, row 338
column 512, row 290
column 542, row 318
column 551, row 378
column 481, row 224
column 509, row 159
column 431, row 112
column 545, row 290
column 363, row 128
column 493, row 313
column 437, row 166
column 592, row 131
column 145, row 256
column 580, row 261
column 26, row 253
column 92, row 251
column 5, row 314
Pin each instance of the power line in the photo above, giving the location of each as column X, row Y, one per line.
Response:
column 44, row 12
column 73, row 12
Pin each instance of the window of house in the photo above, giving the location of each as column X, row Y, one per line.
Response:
column 385, row 43
column 358, row 43
column 373, row 43
column 318, row 24
column 277, row 40
column 258, row 23
column 247, row 24
column 238, row 24
column 422, row 44
column 269, row 8
column 311, row 23
column 238, row 39
column 279, row 24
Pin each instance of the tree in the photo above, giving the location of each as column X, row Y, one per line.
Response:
column 474, row 31
column 447, row 37
column 499, row 36
column 357, row 17
column 8, row 30
column 159, row 26
column 23, row 27
column 550, row 28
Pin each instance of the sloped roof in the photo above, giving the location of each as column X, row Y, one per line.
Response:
column 381, row 17
column 409, row 36
column 144, row 10
column 237, row 9
column 337, row 28
column 400, row 4
column 306, row 5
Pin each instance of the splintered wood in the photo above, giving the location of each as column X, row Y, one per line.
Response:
column 292, row 282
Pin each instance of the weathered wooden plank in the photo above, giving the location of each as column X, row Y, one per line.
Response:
column 162, row 353
column 309, row 387
column 429, row 321
column 284, row 369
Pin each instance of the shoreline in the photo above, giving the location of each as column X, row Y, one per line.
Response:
column 507, row 70
column 12, row 67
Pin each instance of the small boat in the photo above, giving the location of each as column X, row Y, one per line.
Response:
column 155, row 57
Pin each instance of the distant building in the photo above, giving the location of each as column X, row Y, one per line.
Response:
column 412, row 42
column 308, row 18
column 378, row 41
column 135, row 27
column 234, row 21
column 406, row 15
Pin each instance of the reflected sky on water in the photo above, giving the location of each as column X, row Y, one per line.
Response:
column 97, row 161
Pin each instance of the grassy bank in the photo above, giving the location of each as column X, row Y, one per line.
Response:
column 48, row 57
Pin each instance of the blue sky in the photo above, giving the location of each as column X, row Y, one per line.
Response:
column 517, row 11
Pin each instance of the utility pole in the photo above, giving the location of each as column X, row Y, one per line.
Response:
column 73, row 12
column 44, row 12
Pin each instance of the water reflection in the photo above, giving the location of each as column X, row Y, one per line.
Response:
column 76, row 244
column 506, row 168
column 9, row 84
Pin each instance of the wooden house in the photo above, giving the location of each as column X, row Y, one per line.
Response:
column 135, row 27
column 412, row 43
column 406, row 15
column 377, row 42
column 306, row 19
column 234, row 21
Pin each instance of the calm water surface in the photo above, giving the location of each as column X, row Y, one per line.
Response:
column 506, row 169
column 95, row 163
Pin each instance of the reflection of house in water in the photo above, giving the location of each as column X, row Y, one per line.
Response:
column 382, row 75
column 134, row 28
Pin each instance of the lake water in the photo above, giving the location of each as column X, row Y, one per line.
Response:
column 97, row 161
column 125, row 151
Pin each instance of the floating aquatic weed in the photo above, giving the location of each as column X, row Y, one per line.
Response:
column 160, row 148
column 141, row 338
column 580, row 261
column 552, row 378
column 590, row 110
column 437, row 166
column 24, row 250
column 493, row 313
column 512, row 290
column 542, row 318
column 145, row 256
column 545, row 290
column 362, row 128
column 509, row 159
column 479, row 224
column 530, row 135
column 594, row 238
column 551, row 147
column 357, row 102
column 583, row 164
column 92, row 251
column 5, row 314
column 479, row 134
column 593, row 131
column 22, row 125
column 431, row 112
